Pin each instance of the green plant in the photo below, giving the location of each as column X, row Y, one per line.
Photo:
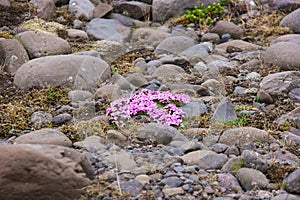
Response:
column 52, row 94
column 242, row 120
column 285, row 126
column 205, row 14
column 237, row 165
column 114, row 70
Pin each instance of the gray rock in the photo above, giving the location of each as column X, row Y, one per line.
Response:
column 45, row 136
column 108, row 92
column 168, row 72
column 143, row 179
column 281, row 83
column 245, row 137
column 45, row 8
column 292, row 116
column 294, row 94
column 91, row 143
column 122, row 82
column 225, row 111
column 284, row 55
column 192, row 109
column 237, row 44
column 39, row 44
column 220, row 66
column 286, row 196
column 211, row 37
column 61, row 119
column 219, row 148
column 116, row 137
column 162, row 134
column 137, row 79
column 82, row 8
column 229, row 182
column 5, row 3
column 133, row 9
column 223, row 27
column 169, row 192
column 292, row 21
column 107, row 29
column 75, row 33
column 232, row 165
column 80, row 95
column 131, row 187
column 149, row 36
column 80, row 72
column 110, row 50
column 233, row 150
column 290, row 138
column 282, row 156
column 41, row 119
column 122, row 160
column 174, row 45
column 252, row 159
column 294, row 38
column 93, row 53
column 250, row 178
column 12, row 55
column 30, row 171
column 264, row 97
column 212, row 161
column 101, row 10
column 193, row 158
column 172, row 181
column 292, row 182
column 215, row 87
column 286, row 5
column 195, row 53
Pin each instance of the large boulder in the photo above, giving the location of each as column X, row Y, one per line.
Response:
column 78, row 71
column 292, row 21
column 285, row 55
column 42, row 172
column 39, row 44
column 281, row 83
column 12, row 55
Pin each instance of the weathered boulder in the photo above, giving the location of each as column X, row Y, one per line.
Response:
column 42, row 172
column 80, row 72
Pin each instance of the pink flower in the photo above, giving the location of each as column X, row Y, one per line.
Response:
column 160, row 107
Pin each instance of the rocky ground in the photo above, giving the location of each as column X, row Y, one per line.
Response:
column 62, row 64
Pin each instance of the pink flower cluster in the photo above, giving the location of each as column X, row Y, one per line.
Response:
column 160, row 107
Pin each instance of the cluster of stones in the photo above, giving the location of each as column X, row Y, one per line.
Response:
column 230, row 164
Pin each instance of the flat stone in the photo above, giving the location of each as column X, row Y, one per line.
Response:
column 172, row 181
column 45, row 136
column 238, row 44
column 91, row 143
column 101, row 10
column 193, row 158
